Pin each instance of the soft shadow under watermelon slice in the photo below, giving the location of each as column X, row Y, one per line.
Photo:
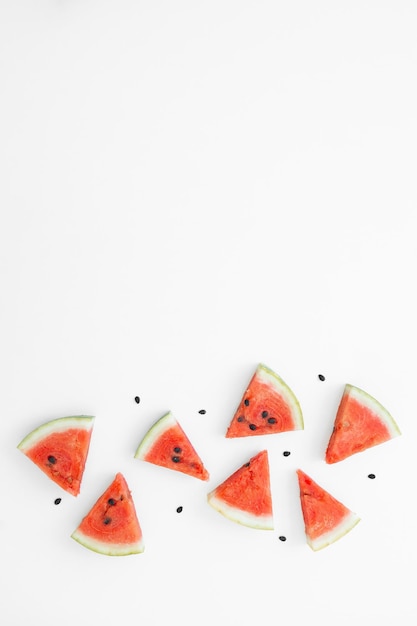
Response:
column 167, row 445
column 245, row 496
column 112, row 527
column 268, row 406
column 326, row 519
column 60, row 448
column 361, row 422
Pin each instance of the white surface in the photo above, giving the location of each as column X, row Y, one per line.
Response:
column 190, row 188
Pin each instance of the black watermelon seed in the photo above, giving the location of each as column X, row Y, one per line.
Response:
column 57, row 500
column 252, row 426
column 286, row 453
column 264, row 413
column 176, row 459
column 282, row 538
column 137, row 399
column 371, row 476
column 202, row 411
column 179, row 509
column 321, row 377
column 107, row 521
column 247, row 464
column 111, row 501
column 272, row 420
column 51, row 459
column 177, row 449
column 246, row 403
column 240, row 418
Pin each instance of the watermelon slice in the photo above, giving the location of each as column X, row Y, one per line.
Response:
column 112, row 527
column 167, row 445
column 60, row 448
column 326, row 519
column 361, row 422
column 268, row 406
column 245, row 496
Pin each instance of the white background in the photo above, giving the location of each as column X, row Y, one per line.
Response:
column 189, row 188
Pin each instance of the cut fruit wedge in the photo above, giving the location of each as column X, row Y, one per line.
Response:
column 60, row 448
column 361, row 422
column 245, row 496
column 268, row 406
column 112, row 527
column 326, row 519
column 167, row 445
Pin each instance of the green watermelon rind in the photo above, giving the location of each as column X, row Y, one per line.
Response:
column 326, row 539
column 60, row 424
column 163, row 424
column 373, row 405
column 269, row 377
column 108, row 549
column 260, row 522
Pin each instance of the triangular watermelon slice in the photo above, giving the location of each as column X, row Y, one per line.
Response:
column 167, row 445
column 112, row 527
column 361, row 422
column 245, row 496
column 268, row 406
column 60, row 448
column 326, row 519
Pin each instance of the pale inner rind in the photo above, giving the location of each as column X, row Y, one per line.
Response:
column 270, row 378
column 264, row 522
column 164, row 423
column 110, row 549
column 62, row 424
column 333, row 535
column 373, row 405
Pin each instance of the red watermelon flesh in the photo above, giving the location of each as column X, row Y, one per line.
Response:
column 166, row 444
column 112, row 527
column 361, row 422
column 268, row 406
column 60, row 448
column 326, row 519
column 245, row 496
